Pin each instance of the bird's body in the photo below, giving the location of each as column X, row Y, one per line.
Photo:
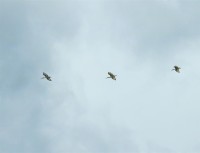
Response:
column 46, row 76
column 112, row 76
column 176, row 68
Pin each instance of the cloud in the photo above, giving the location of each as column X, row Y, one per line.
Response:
column 147, row 109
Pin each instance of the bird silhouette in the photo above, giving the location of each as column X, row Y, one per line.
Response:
column 176, row 68
column 112, row 76
column 46, row 77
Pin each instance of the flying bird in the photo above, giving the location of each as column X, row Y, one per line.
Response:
column 46, row 76
column 176, row 68
column 112, row 76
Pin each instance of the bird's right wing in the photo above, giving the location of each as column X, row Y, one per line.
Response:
column 112, row 75
column 45, row 74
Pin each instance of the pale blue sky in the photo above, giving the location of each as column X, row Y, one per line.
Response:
column 148, row 109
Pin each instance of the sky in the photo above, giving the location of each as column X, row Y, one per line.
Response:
column 148, row 109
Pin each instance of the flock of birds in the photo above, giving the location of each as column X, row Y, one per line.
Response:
column 111, row 75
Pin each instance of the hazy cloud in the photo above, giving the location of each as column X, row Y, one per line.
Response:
column 148, row 109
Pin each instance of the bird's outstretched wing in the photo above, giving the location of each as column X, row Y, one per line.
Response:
column 109, row 73
column 45, row 74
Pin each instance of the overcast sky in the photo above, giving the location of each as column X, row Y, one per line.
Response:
column 148, row 109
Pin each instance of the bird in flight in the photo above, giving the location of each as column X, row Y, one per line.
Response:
column 176, row 68
column 46, row 76
column 112, row 76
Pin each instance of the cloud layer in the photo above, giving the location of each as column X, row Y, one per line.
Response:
column 148, row 109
